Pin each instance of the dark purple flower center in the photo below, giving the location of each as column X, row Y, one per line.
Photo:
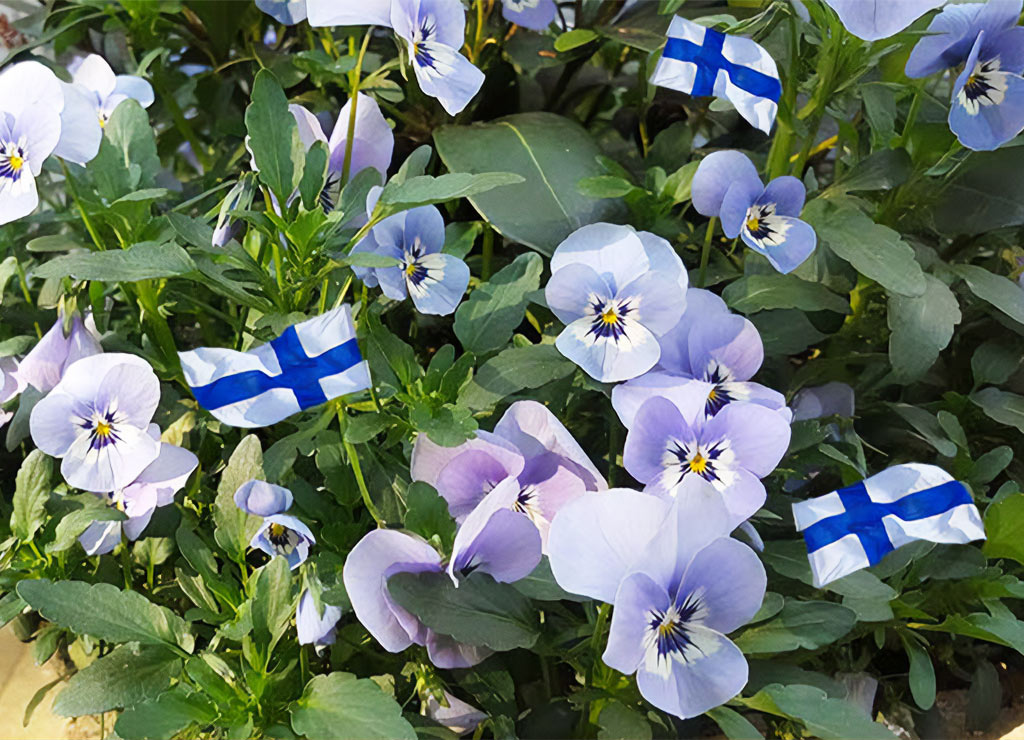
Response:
column 609, row 318
column 101, row 428
column 427, row 29
column 986, row 85
column 697, row 459
column 282, row 539
column 669, row 632
column 13, row 159
column 719, row 395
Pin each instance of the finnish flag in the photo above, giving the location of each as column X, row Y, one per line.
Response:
column 855, row 527
column 702, row 61
column 309, row 364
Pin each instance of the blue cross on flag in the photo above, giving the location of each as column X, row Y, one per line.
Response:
column 702, row 61
column 309, row 364
column 855, row 527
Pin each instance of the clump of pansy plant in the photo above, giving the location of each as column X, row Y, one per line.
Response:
column 408, row 368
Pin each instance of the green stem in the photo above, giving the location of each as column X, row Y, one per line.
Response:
column 354, row 100
column 595, row 652
column 81, row 209
column 488, row 253
column 915, row 106
column 160, row 331
column 353, row 459
column 705, row 252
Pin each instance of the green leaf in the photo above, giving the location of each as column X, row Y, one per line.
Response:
column 825, row 718
column 480, row 611
column 428, row 514
column 540, row 584
column 486, row 321
column 921, row 328
column 605, row 186
column 165, row 716
column 574, row 39
column 1004, row 527
column 134, row 143
column 733, row 724
column 992, row 184
column 314, row 175
column 31, row 491
column 1006, row 408
column 368, row 259
column 922, row 672
column 994, row 362
column 234, row 527
column 551, row 153
column 341, row 706
column 758, row 292
column 77, row 521
column 619, row 722
column 997, row 290
column 984, row 698
column 426, row 190
column 785, row 331
column 11, row 605
column 272, row 602
column 927, row 426
column 128, row 675
column 800, row 624
column 273, row 136
column 106, row 612
column 141, row 262
column 513, row 370
column 876, row 251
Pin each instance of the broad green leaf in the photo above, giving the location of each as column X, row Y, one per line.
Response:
column 785, row 331
column 759, row 292
column 426, row 190
column 141, row 262
column 876, row 251
column 883, row 170
column 922, row 673
column 619, row 722
column 994, row 362
column 272, row 602
column 128, row 675
column 31, row 491
column 480, row 611
column 339, row 705
column 133, row 141
column 234, row 527
column 11, row 605
column 921, row 328
column 605, row 186
column 428, row 514
column 273, row 136
column 77, row 521
column 992, row 183
column 573, row 39
column 540, row 584
column 800, row 624
column 511, row 371
column 825, row 718
column 733, row 724
column 314, row 175
column 551, row 153
column 997, row 290
column 106, row 612
column 1004, row 526
column 486, row 321
column 984, row 698
column 1003, row 406
column 927, row 426
column 165, row 716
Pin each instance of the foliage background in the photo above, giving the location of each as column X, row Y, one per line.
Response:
column 910, row 298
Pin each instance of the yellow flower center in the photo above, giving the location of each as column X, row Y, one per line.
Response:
column 102, row 429
column 16, row 162
column 753, row 223
column 698, row 464
column 277, row 530
column 712, row 394
column 609, row 316
column 410, row 269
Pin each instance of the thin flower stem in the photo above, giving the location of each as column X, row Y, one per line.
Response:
column 595, row 651
column 915, row 106
column 354, row 100
column 488, row 253
column 705, row 252
column 353, row 459
column 81, row 209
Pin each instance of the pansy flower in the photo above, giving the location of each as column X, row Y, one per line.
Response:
column 530, row 446
column 732, row 450
column 104, row 89
column 661, row 566
column 458, row 716
column 334, row 13
column 288, row 12
column 872, row 20
column 97, row 419
column 727, row 186
column 10, row 385
column 44, row 366
column 536, row 15
column 314, row 628
column 710, row 353
column 987, row 106
column 379, row 555
column 617, row 291
column 280, row 534
column 435, row 281
column 154, row 487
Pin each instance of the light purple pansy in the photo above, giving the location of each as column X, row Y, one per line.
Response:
column 97, row 419
column 379, row 555
column 10, row 385
column 872, row 20
column 334, row 13
column 155, row 486
column 312, row 627
column 727, row 186
column 435, row 281
column 732, row 450
column 284, row 535
column 288, row 12
column 536, row 15
column 458, row 716
column 259, row 498
column 617, row 291
column 105, row 90
column 44, row 366
column 710, row 353
column 529, row 448
column 831, row 399
column 497, row 538
column 987, row 105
